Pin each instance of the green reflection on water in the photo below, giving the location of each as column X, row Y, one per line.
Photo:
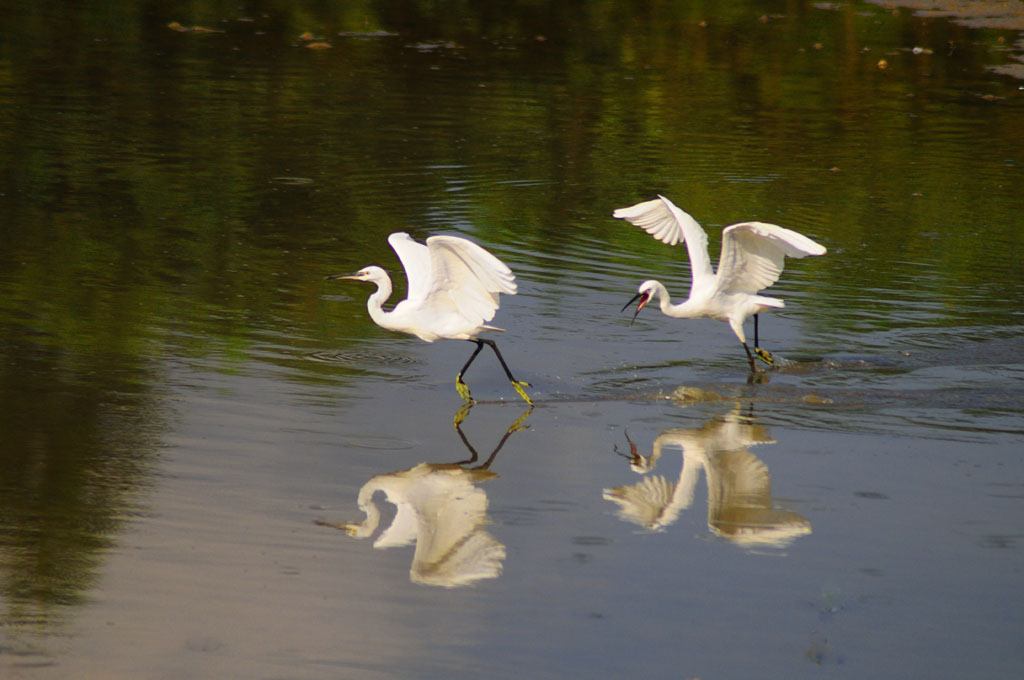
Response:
column 173, row 194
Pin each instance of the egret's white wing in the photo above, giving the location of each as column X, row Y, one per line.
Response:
column 753, row 255
column 492, row 273
column 663, row 220
column 415, row 259
column 660, row 218
column 466, row 279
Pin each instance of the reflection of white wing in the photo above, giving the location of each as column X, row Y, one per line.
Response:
column 440, row 508
column 740, row 503
column 474, row 557
column 740, row 478
column 753, row 255
column 647, row 503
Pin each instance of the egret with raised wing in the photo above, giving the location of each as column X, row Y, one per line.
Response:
column 751, row 259
column 453, row 288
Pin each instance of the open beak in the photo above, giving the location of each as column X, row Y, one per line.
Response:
column 643, row 297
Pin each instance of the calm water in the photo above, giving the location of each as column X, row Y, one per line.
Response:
column 188, row 406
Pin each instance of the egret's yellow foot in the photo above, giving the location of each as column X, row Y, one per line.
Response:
column 463, row 389
column 765, row 356
column 519, row 385
column 461, row 414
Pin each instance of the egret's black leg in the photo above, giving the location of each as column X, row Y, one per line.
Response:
column 479, row 346
column 750, row 358
column 462, row 387
column 501, row 359
column 518, row 385
column 762, row 354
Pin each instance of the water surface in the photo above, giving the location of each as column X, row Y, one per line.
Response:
column 187, row 404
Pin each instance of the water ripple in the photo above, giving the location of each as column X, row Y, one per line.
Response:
column 362, row 357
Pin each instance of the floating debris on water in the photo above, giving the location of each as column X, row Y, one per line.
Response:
column 693, row 395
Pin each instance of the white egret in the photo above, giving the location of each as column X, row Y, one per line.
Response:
column 453, row 291
column 752, row 257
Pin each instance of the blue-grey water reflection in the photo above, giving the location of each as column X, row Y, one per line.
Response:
column 184, row 398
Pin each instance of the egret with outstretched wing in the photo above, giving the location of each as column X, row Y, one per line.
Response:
column 752, row 258
column 453, row 289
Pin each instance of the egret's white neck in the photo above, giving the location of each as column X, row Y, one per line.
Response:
column 682, row 310
column 375, row 303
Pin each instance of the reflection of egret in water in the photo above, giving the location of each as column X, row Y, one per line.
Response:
column 739, row 484
column 439, row 507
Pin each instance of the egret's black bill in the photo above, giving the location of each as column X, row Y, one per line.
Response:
column 643, row 297
column 631, row 301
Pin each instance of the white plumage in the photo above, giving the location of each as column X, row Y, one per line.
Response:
column 441, row 510
column 751, row 259
column 453, row 291
column 740, row 504
column 453, row 288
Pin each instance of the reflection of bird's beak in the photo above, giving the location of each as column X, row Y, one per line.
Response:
column 350, row 529
column 643, row 297
column 636, row 461
column 350, row 277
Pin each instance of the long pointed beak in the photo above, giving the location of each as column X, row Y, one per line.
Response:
column 643, row 297
column 333, row 277
column 625, row 306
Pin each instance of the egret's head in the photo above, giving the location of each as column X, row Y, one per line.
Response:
column 371, row 273
column 644, row 294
